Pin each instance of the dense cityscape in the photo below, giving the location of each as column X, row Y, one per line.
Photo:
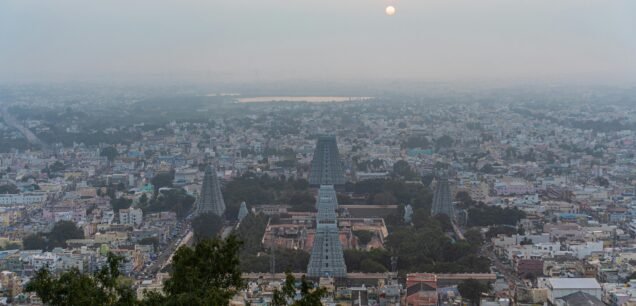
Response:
column 519, row 196
column 318, row 153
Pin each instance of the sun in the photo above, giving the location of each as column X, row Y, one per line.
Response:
column 390, row 10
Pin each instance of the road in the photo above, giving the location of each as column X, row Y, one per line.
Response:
column 226, row 231
column 458, row 231
column 181, row 242
column 167, row 253
column 165, row 258
column 13, row 122
column 508, row 273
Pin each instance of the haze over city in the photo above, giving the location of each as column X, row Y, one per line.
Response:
column 318, row 153
column 244, row 41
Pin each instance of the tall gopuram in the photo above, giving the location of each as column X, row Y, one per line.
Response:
column 442, row 199
column 210, row 199
column 326, row 167
column 327, row 258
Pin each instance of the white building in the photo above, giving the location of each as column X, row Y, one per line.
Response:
column 22, row 198
column 45, row 260
column 131, row 216
column 560, row 287
column 586, row 249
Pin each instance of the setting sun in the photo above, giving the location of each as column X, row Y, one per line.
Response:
column 390, row 10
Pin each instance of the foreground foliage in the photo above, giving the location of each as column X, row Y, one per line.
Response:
column 106, row 287
column 207, row 274
column 286, row 296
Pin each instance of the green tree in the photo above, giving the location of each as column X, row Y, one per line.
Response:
column 376, row 260
column 364, row 237
column 62, row 231
column 472, row 289
column 106, row 287
column 464, row 199
column 148, row 153
column 494, row 231
column 9, row 188
column 206, row 226
column 143, row 200
column 109, row 152
column 487, row 168
column 154, row 241
column 207, row 274
column 34, row 242
column 371, row 266
column 302, row 201
column 286, row 296
column 444, row 142
column 12, row 246
column 120, row 203
column 416, row 141
column 402, row 169
column 176, row 200
column 162, row 179
column 526, row 241
column 474, row 237
column 57, row 166
column 385, row 198
column 344, row 199
column 483, row 215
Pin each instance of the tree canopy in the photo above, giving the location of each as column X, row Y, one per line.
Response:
column 483, row 215
column 472, row 289
column 286, row 296
column 207, row 274
column 9, row 188
column 416, row 141
column 106, row 287
column 62, row 231
column 401, row 168
column 426, row 247
column 263, row 189
column 176, row 200
column 120, row 203
column 109, row 152
column 206, row 226
column 162, row 179
column 444, row 142
column 363, row 236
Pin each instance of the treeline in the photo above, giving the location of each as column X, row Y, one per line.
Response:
column 263, row 189
column 392, row 191
column 424, row 247
column 483, row 215
column 62, row 231
column 175, row 200
column 207, row 274
column 595, row 125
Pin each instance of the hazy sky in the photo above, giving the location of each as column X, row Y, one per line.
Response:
column 260, row 40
